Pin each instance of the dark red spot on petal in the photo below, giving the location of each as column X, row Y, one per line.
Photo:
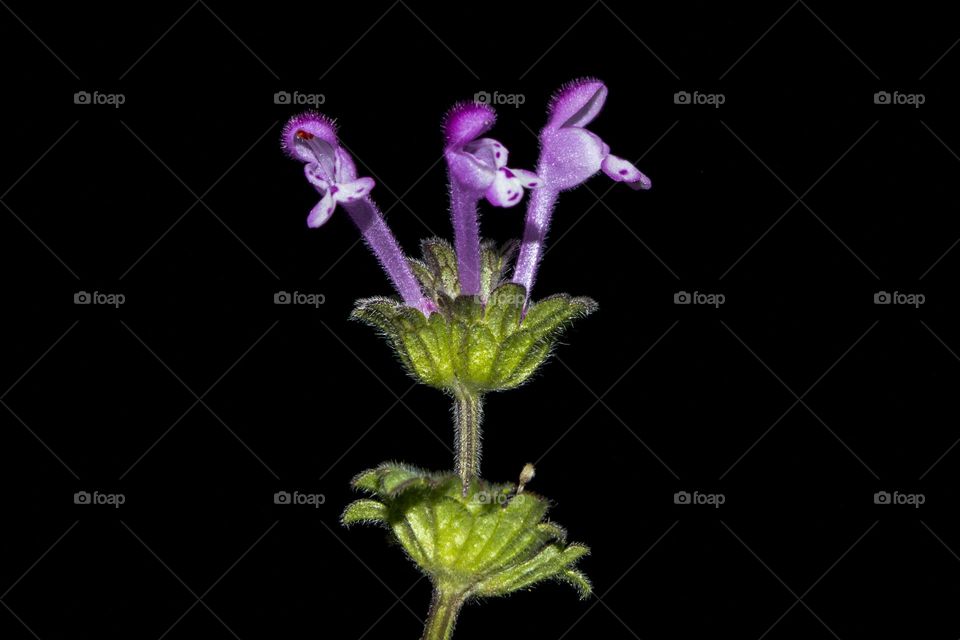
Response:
column 507, row 172
column 514, row 196
column 623, row 172
column 304, row 135
column 334, row 189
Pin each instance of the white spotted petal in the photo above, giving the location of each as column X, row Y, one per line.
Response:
column 528, row 179
column 352, row 191
column 506, row 190
column 623, row 171
column 322, row 211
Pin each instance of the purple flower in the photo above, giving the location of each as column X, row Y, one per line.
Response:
column 569, row 156
column 478, row 169
column 311, row 138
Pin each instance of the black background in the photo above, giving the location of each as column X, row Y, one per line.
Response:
column 798, row 399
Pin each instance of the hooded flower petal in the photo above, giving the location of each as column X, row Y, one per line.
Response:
column 577, row 103
column 302, row 129
column 623, row 171
column 467, row 121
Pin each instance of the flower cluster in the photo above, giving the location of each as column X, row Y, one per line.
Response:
column 570, row 154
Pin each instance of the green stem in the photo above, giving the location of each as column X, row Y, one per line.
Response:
column 467, row 413
column 443, row 615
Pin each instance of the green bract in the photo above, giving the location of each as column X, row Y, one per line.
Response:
column 472, row 344
column 488, row 541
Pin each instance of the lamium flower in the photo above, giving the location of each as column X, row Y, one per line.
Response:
column 311, row 138
column 478, row 169
column 569, row 155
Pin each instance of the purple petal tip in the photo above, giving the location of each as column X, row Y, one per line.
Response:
column 577, row 103
column 466, row 121
column 307, row 124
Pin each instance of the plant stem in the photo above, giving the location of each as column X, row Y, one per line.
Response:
column 467, row 414
column 443, row 615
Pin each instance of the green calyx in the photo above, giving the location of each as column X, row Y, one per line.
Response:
column 487, row 540
column 472, row 344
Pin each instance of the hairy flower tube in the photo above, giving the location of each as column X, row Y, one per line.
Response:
column 464, row 323
column 570, row 154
